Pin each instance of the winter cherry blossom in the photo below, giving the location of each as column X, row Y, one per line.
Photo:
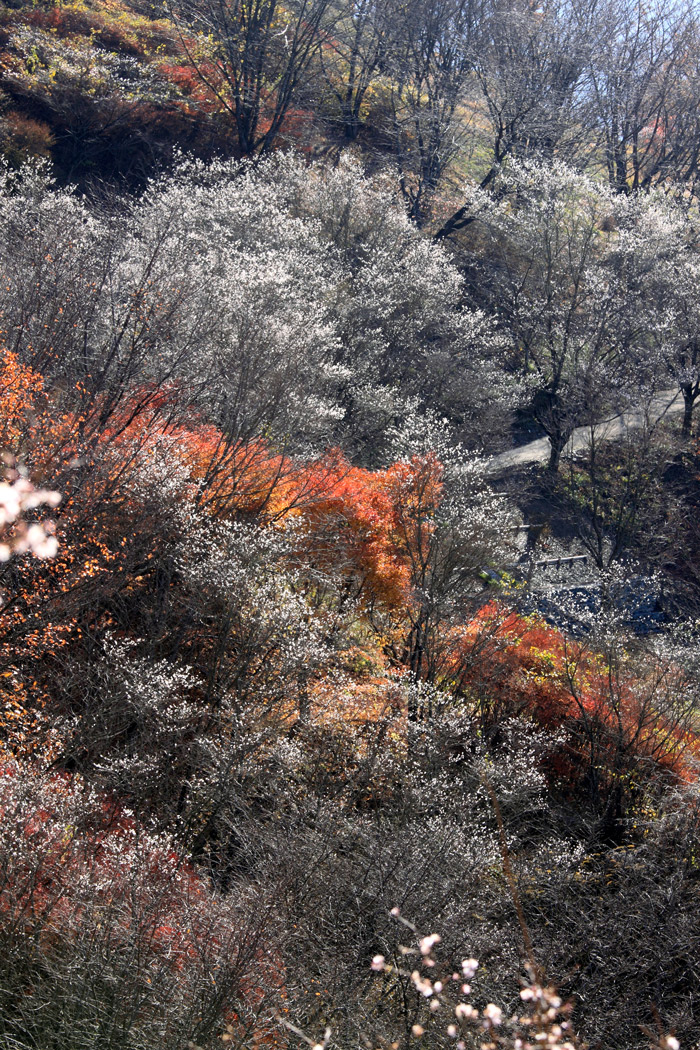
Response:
column 421, row 984
column 427, row 943
column 543, row 1024
column 493, row 1014
column 16, row 498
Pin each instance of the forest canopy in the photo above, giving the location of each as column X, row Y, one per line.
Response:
column 349, row 592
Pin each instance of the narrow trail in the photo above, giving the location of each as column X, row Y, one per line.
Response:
column 667, row 403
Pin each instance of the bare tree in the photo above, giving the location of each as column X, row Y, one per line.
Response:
column 260, row 59
column 353, row 53
column 615, row 494
column 447, row 537
column 528, row 67
column 643, row 91
column 546, row 272
column 432, row 63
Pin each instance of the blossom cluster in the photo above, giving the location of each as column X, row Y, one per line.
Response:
column 542, row 1021
column 16, row 498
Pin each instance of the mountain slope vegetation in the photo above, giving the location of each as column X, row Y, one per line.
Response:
column 289, row 677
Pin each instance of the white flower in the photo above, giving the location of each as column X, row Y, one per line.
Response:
column 421, row 985
column 493, row 1014
column 426, row 943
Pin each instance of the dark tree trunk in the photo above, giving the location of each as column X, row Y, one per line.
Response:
column 557, row 444
column 688, row 403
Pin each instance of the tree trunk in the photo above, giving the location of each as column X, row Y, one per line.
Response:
column 304, row 700
column 688, row 402
column 557, row 444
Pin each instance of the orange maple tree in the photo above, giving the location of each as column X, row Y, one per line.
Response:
column 616, row 715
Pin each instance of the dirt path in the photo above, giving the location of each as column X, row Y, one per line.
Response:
column 668, row 402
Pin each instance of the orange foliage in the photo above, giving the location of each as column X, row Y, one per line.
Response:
column 22, row 390
column 365, row 524
column 351, row 525
column 186, row 78
column 366, row 528
column 532, row 669
column 375, row 520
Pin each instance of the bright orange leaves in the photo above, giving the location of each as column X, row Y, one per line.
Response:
column 365, row 522
column 365, row 525
column 371, row 531
column 614, row 713
column 22, row 390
